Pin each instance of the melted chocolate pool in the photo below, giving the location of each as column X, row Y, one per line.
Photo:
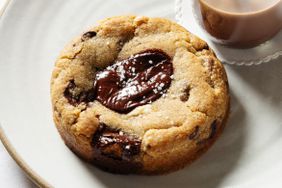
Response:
column 135, row 81
column 138, row 80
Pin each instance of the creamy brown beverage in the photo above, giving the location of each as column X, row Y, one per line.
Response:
column 241, row 6
column 242, row 23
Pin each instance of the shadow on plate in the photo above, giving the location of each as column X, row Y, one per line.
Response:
column 264, row 82
column 264, row 79
column 208, row 171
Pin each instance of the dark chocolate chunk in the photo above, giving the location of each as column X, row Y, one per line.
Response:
column 213, row 129
column 115, row 144
column 185, row 95
column 195, row 133
column 206, row 47
column 135, row 81
column 88, row 35
column 69, row 92
column 115, row 151
column 75, row 96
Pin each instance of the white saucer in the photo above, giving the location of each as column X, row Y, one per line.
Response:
column 187, row 15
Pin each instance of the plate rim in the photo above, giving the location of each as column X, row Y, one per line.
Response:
column 28, row 171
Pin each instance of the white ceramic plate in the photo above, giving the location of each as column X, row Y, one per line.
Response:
column 248, row 154
column 188, row 14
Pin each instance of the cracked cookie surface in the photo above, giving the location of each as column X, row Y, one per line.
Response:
column 158, row 135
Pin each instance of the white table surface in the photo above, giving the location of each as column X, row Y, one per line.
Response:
column 11, row 176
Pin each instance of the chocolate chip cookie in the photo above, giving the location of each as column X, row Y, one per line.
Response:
column 139, row 95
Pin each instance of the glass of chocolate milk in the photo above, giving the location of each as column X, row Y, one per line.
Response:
column 241, row 23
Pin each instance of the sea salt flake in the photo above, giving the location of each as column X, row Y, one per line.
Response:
column 127, row 147
column 163, row 76
column 162, row 85
column 120, row 133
